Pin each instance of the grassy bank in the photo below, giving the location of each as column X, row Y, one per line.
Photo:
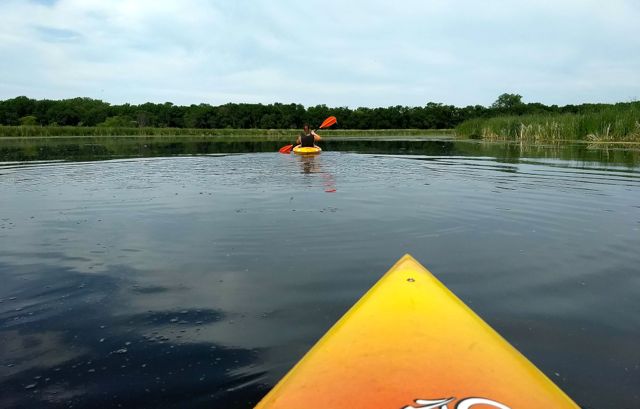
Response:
column 613, row 124
column 71, row 131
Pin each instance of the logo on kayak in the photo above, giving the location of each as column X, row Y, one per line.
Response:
column 467, row 403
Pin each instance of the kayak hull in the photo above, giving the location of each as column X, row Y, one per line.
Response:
column 411, row 343
column 299, row 150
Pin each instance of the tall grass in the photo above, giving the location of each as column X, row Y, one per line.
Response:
column 63, row 131
column 608, row 125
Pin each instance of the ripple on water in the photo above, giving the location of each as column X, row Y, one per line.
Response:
column 199, row 280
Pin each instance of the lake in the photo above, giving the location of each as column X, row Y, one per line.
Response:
column 168, row 275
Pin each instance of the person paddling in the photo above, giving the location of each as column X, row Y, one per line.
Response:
column 308, row 138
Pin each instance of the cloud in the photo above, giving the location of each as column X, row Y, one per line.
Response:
column 45, row 2
column 51, row 34
column 358, row 53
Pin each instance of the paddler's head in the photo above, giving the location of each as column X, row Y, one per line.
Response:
column 306, row 128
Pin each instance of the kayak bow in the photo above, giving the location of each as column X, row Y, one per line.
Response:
column 410, row 343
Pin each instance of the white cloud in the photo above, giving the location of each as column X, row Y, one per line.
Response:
column 357, row 53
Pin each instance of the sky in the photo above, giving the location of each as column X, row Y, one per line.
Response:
column 339, row 53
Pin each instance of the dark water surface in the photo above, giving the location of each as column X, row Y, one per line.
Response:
column 198, row 281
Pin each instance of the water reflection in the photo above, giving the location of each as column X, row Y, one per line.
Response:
column 309, row 163
column 199, row 280
column 69, row 339
column 79, row 148
column 312, row 164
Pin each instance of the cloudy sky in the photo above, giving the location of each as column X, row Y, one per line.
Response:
column 339, row 53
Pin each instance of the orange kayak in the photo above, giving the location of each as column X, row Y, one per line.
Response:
column 410, row 343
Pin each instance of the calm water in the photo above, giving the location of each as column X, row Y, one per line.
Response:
column 198, row 281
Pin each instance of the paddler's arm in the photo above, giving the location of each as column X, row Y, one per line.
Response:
column 316, row 137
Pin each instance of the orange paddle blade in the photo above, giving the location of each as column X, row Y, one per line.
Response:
column 328, row 122
column 286, row 149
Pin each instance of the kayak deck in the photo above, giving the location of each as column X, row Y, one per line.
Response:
column 411, row 343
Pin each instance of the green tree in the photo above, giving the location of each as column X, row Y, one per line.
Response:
column 507, row 102
column 28, row 120
column 118, row 122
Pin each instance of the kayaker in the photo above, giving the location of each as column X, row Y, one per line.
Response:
column 308, row 138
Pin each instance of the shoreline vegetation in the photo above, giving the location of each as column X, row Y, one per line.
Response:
column 508, row 119
column 25, row 131
column 610, row 125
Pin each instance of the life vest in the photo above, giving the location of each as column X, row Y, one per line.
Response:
column 307, row 140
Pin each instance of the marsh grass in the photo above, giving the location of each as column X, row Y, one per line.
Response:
column 277, row 134
column 607, row 125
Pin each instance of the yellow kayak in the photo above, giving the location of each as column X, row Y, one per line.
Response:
column 306, row 150
column 410, row 343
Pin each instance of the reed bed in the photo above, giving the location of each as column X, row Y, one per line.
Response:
column 72, row 131
column 613, row 124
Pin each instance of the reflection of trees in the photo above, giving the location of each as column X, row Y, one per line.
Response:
column 108, row 147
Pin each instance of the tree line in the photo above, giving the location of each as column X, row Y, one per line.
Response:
column 92, row 112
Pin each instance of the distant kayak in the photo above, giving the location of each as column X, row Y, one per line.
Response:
column 307, row 150
column 410, row 343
